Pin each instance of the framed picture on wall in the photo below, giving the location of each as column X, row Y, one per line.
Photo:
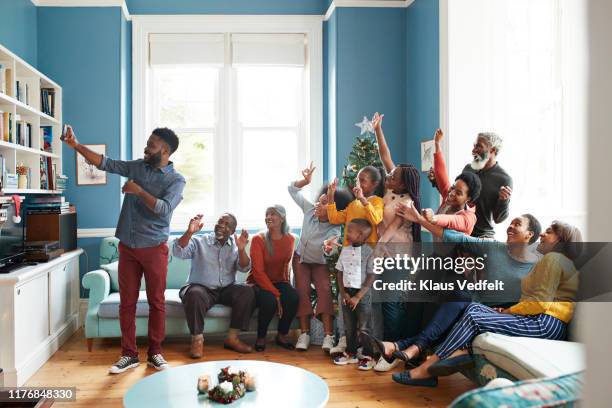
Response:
column 86, row 173
column 427, row 153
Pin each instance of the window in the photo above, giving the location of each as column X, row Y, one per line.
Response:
column 511, row 70
column 242, row 106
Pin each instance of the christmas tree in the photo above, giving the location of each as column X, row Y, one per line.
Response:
column 364, row 153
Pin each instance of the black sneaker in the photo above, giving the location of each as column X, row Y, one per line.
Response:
column 124, row 363
column 157, row 361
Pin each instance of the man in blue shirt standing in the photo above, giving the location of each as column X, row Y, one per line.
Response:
column 152, row 192
column 216, row 257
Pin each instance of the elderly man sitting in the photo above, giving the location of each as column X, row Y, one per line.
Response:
column 215, row 259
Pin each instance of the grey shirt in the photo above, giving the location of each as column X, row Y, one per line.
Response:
column 355, row 257
column 314, row 232
column 139, row 226
column 212, row 265
column 490, row 209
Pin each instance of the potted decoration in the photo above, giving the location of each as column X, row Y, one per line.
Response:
column 22, row 172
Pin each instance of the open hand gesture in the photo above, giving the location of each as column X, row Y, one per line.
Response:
column 242, row 240
column 377, row 121
column 195, row 224
column 307, row 173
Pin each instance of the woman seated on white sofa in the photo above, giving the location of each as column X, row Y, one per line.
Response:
column 544, row 310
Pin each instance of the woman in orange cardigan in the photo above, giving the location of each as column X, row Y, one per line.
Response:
column 271, row 254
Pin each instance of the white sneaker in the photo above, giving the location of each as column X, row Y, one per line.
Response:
column 383, row 365
column 345, row 358
column 366, row 363
column 328, row 343
column 338, row 348
column 303, row 342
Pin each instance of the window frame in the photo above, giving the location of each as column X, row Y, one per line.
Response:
column 568, row 139
column 312, row 122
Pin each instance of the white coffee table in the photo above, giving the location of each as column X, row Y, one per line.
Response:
column 277, row 385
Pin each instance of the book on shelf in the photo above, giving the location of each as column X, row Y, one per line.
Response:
column 1, row 124
column 7, row 119
column 24, row 131
column 46, row 137
column 8, row 81
column 21, row 92
column 47, row 175
column 2, row 78
column 47, row 101
column 61, row 182
column 3, row 169
column 11, row 180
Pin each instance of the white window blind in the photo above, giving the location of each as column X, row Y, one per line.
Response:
column 269, row 49
column 186, row 49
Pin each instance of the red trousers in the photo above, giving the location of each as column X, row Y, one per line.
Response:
column 133, row 262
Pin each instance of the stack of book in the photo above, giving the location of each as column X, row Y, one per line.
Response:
column 61, row 181
column 47, row 101
column 49, row 205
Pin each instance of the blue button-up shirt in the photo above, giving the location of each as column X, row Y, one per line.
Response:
column 212, row 265
column 138, row 225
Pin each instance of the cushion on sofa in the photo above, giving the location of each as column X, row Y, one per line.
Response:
column 527, row 358
column 109, row 307
column 563, row 391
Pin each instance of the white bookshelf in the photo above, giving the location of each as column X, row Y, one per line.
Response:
column 29, row 112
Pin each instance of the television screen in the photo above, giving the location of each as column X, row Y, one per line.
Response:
column 11, row 237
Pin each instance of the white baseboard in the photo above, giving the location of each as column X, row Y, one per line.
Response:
column 18, row 377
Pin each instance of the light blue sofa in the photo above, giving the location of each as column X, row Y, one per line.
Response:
column 102, row 319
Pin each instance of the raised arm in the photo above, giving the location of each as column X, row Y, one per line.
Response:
column 410, row 213
column 100, row 161
column 334, row 216
column 295, row 189
column 440, row 173
column 184, row 246
column 383, row 149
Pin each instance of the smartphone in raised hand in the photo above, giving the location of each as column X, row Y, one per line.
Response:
column 64, row 130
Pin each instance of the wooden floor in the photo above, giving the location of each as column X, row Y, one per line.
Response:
column 73, row 366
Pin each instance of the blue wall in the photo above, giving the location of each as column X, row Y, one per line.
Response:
column 227, row 6
column 88, row 52
column 18, row 29
column 367, row 60
column 423, row 85
column 81, row 49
